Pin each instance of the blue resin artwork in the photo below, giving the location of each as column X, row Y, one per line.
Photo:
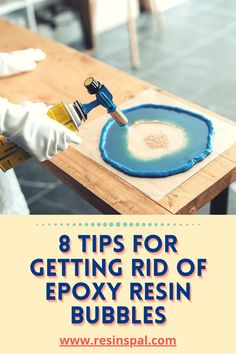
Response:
column 159, row 141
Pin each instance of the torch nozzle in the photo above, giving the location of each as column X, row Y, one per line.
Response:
column 119, row 117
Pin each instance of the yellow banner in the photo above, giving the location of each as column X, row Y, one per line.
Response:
column 118, row 284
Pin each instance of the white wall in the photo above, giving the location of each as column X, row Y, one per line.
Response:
column 112, row 13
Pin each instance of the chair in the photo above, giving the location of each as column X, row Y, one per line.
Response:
column 86, row 12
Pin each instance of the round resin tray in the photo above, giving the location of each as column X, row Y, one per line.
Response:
column 159, row 141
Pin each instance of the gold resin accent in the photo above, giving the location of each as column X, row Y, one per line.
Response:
column 155, row 141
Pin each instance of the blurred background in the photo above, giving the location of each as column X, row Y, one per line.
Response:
column 187, row 47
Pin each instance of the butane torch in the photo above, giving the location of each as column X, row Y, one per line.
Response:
column 71, row 115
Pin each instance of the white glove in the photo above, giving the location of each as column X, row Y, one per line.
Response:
column 28, row 126
column 20, row 61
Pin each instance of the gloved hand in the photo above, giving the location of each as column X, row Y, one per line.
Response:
column 28, row 126
column 20, row 61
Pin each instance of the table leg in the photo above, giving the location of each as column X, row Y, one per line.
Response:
column 145, row 5
column 86, row 12
column 158, row 12
column 31, row 17
column 133, row 36
column 152, row 6
column 219, row 205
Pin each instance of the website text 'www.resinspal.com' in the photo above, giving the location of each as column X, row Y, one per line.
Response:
column 114, row 341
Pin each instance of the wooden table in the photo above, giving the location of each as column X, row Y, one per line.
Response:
column 60, row 77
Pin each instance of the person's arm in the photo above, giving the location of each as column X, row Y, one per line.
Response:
column 29, row 127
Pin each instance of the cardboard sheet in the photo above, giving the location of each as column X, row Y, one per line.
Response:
column 155, row 188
